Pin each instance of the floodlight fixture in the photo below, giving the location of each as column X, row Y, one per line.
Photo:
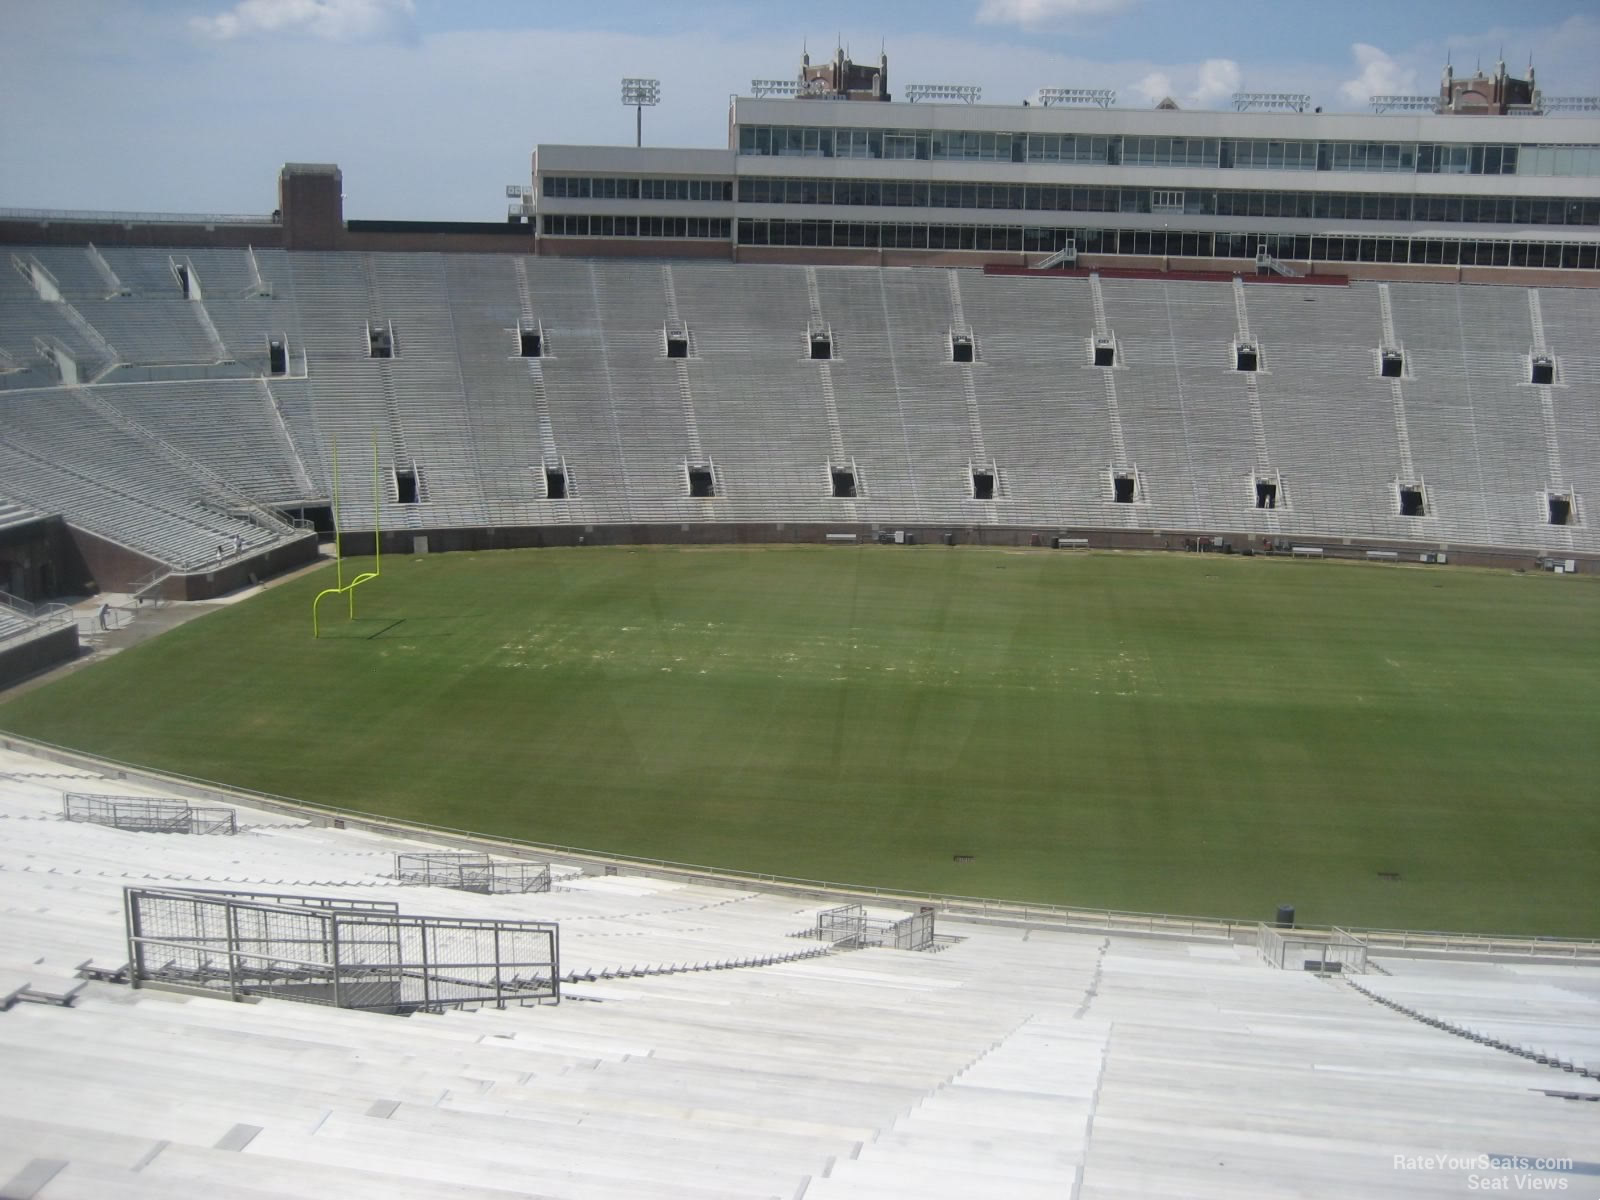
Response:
column 640, row 93
column 1287, row 101
column 1104, row 97
column 965, row 92
column 1383, row 104
column 774, row 87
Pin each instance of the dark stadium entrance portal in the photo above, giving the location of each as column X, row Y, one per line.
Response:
column 1246, row 357
column 530, row 343
column 960, row 348
column 983, row 485
column 1391, row 364
column 406, row 486
column 702, row 485
column 319, row 515
column 1122, row 487
column 844, row 483
column 1266, row 494
column 677, row 345
column 1105, row 353
column 277, row 355
column 1544, row 370
column 555, row 483
column 821, row 346
column 1411, row 500
column 1560, row 509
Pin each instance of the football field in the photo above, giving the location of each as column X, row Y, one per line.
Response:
column 1377, row 745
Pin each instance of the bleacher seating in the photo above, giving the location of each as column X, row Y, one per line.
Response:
column 481, row 424
column 1016, row 1062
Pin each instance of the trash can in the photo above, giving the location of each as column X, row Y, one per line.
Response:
column 1285, row 916
column 949, row 539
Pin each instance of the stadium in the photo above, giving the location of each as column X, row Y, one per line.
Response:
column 1087, row 692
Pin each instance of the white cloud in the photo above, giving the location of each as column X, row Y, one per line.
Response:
column 1154, row 87
column 1218, row 80
column 330, row 20
column 1045, row 14
column 1214, row 81
column 1380, row 75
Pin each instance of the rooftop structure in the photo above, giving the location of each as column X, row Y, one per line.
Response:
column 841, row 79
column 1481, row 95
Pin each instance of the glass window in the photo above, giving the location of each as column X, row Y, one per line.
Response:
column 899, row 145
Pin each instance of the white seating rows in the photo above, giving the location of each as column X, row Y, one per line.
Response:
column 1015, row 1062
column 481, row 424
column 1553, row 1011
column 63, row 455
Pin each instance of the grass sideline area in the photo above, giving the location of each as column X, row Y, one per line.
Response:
column 1175, row 733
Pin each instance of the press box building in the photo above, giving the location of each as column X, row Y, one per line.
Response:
column 1489, row 180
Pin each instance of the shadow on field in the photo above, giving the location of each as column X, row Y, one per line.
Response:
column 373, row 628
column 420, row 627
column 360, row 629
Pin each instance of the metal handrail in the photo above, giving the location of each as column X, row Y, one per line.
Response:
column 41, row 617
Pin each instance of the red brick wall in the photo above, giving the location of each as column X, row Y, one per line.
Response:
column 109, row 566
column 575, row 247
column 110, row 233
column 312, row 207
column 420, row 242
column 669, row 534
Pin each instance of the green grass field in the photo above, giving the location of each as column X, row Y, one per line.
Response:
column 1165, row 733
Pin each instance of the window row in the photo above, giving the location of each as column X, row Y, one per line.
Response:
column 584, row 187
column 1408, row 158
column 1433, row 251
column 586, row 225
column 1339, row 206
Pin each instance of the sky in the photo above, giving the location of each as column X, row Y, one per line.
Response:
column 431, row 107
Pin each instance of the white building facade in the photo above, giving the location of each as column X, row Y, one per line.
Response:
column 1404, row 195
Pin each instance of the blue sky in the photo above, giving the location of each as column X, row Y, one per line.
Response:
column 432, row 107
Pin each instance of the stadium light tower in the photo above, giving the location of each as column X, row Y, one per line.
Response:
column 640, row 93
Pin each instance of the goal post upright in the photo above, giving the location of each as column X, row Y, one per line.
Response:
column 349, row 589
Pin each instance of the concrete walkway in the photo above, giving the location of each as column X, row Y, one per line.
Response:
column 129, row 622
